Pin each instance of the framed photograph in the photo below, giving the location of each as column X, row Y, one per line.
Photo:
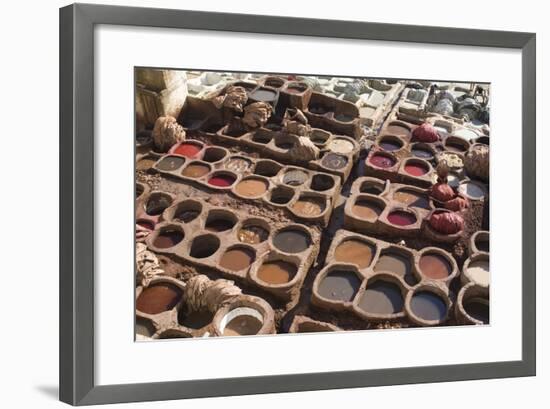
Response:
column 255, row 204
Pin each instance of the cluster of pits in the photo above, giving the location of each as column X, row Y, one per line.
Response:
column 162, row 312
column 377, row 280
column 333, row 114
column 238, row 246
column 377, row 206
column 307, row 194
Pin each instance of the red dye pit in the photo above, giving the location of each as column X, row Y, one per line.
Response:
column 221, row 180
column 415, row 169
column 382, row 161
column 400, row 218
column 188, row 150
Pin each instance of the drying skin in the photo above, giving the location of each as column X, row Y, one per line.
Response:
column 166, row 133
column 234, row 99
column 257, row 114
column 147, row 265
column 201, row 293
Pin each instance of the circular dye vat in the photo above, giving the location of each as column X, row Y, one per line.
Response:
column 382, row 161
column 321, row 182
column 204, row 246
column 274, row 82
column 366, row 209
column 395, row 263
column 334, row 161
column 281, row 196
column 355, row 251
column 295, row 177
column 158, row 298
column 222, row 180
column 342, row 146
column 477, row 308
column 482, row 245
column 428, row 306
column 263, row 95
column 168, row 238
column 401, row 218
column 251, row 187
column 195, row 319
column 382, row 297
column 213, row 155
column 435, row 266
column 186, row 215
column 146, row 224
column 238, row 164
column 145, row 327
column 456, row 147
column 389, row 145
column 309, row 206
column 371, row 188
column 277, row 272
column 252, row 234
column 219, row 224
column 319, row 138
column 237, row 258
column 145, row 164
column 195, row 170
column 339, row 285
column 157, row 204
column 242, row 325
column 416, row 169
column 472, row 190
column 188, row 150
column 292, row 240
column 170, row 163
column 398, row 129
column 422, row 153
column 479, row 272
column 412, row 198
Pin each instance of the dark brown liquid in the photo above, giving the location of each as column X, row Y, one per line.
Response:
column 412, row 198
column 435, row 266
column 482, row 245
column 382, row 297
column 242, row 325
column 195, row 319
column 277, row 272
column 158, row 298
column 477, row 309
column 186, row 216
column 428, row 306
column 167, row 239
column 204, row 246
column 157, row 204
column 219, row 225
column 339, row 286
column 237, row 259
column 170, row 163
column 354, row 251
column 292, row 241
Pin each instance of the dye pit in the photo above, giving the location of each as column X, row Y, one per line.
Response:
column 284, row 253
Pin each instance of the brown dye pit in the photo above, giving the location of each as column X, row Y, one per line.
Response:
column 435, row 266
column 321, row 183
column 237, row 259
column 412, row 198
column 158, row 298
column 145, row 164
column 382, row 297
column 277, row 272
column 281, row 196
column 186, row 215
column 339, row 285
column 195, row 319
column 195, row 170
column 482, row 245
column 292, row 240
column 251, row 187
column 354, row 251
column 252, row 234
column 157, row 204
column 167, row 239
column 309, row 206
column 242, row 325
column 204, row 246
column 366, row 209
column 398, row 130
column 219, row 224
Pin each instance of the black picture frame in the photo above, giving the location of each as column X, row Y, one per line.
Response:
column 77, row 386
